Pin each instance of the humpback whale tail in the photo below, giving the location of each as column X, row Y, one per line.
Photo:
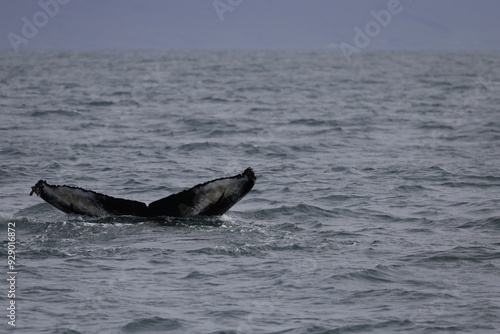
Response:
column 211, row 198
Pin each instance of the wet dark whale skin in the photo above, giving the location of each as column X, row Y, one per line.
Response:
column 211, row 198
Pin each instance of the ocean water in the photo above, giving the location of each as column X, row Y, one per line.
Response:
column 376, row 208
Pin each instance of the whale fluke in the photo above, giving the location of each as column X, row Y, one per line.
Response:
column 211, row 198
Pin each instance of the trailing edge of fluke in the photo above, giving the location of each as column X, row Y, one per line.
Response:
column 211, row 198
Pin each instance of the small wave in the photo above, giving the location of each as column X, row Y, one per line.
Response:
column 341, row 169
column 213, row 99
column 312, row 122
column 204, row 146
column 65, row 331
column 197, row 275
column 129, row 102
column 489, row 178
column 411, row 189
column 257, row 109
column 70, row 85
column 468, row 184
column 58, row 112
column 100, row 103
column 459, row 254
column 378, row 275
column 287, row 227
column 245, row 249
column 20, row 223
column 35, row 253
column 294, row 211
column 488, row 223
column 121, row 93
column 339, row 198
column 388, row 326
column 435, row 126
column 152, row 325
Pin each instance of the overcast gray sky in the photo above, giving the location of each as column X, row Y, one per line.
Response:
column 248, row 24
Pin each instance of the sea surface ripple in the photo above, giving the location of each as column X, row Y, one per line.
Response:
column 376, row 209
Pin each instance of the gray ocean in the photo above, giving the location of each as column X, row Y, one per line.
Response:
column 376, row 208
